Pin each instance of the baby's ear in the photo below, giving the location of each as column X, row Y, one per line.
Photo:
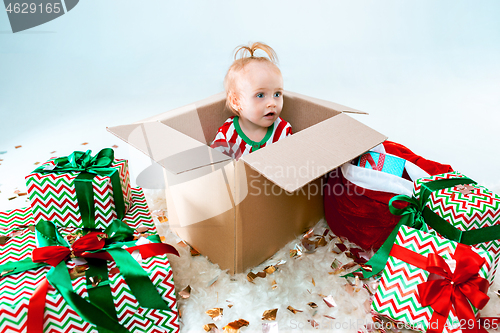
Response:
column 233, row 100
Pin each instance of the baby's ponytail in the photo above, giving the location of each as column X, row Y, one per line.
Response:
column 242, row 51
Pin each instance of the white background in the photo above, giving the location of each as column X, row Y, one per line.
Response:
column 428, row 72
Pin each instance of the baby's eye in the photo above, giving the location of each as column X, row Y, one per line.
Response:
column 277, row 94
column 260, row 95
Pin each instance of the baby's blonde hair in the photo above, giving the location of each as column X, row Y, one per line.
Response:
column 241, row 59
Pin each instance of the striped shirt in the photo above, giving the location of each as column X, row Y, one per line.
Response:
column 231, row 140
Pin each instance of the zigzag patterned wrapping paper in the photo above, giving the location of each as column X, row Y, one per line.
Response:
column 479, row 209
column 16, row 290
column 397, row 295
column 53, row 196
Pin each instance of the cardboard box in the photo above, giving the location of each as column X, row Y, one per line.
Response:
column 239, row 213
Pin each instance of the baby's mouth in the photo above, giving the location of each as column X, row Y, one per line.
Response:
column 270, row 114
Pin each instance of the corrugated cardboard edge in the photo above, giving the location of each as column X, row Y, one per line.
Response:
column 325, row 103
column 199, row 155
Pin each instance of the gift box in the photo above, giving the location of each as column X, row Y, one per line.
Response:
column 58, row 316
column 466, row 206
column 382, row 162
column 80, row 190
column 19, row 288
column 432, row 282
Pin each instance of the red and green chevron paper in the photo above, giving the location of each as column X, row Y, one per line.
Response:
column 139, row 215
column 397, row 295
column 18, row 239
column 53, row 196
column 15, row 219
column 16, row 290
column 18, row 220
column 469, row 209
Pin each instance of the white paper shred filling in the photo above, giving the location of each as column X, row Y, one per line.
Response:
column 271, row 327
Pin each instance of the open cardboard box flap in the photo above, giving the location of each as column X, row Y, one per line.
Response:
column 175, row 151
column 307, row 155
column 331, row 105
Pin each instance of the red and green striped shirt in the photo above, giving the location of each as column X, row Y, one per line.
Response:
column 231, row 140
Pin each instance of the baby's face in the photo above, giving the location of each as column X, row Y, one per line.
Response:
column 260, row 94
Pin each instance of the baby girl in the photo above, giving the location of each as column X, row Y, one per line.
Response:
column 254, row 92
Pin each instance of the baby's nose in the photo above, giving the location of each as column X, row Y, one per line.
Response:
column 271, row 102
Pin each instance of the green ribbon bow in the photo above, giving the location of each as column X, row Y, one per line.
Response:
column 100, row 309
column 89, row 166
column 417, row 215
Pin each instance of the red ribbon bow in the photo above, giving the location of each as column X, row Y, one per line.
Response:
column 53, row 255
column 444, row 289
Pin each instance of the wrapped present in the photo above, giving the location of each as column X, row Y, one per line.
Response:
column 471, row 208
column 450, row 205
column 61, row 309
column 382, row 162
column 80, row 190
column 95, row 282
column 433, row 284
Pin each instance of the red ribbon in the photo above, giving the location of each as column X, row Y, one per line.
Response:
column 445, row 290
column 375, row 166
column 53, row 255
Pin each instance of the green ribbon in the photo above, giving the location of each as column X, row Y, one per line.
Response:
column 417, row 215
column 118, row 231
column 137, row 279
column 19, row 266
column 102, row 293
column 59, row 278
column 89, row 166
column 104, row 315
column 48, row 235
column 144, row 291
